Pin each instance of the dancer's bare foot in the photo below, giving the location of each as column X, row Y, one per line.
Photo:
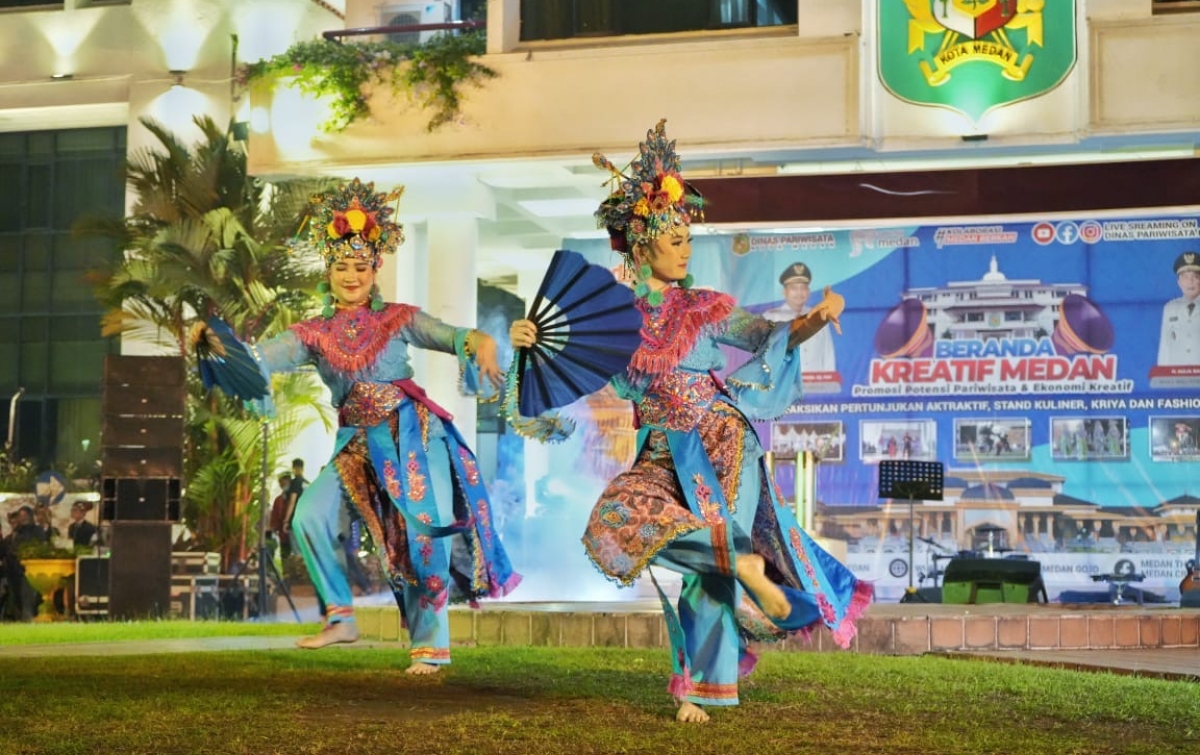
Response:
column 342, row 631
column 752, row 572
column 417, row 668
column 690, row 713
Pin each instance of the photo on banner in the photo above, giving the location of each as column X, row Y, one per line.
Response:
column 984, row 440
column 825, row 439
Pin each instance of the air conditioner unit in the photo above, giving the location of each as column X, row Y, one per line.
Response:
column 412, row 14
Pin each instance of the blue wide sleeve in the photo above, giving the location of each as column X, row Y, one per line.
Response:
column 769, row 384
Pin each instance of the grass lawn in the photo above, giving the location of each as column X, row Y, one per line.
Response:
column 539, row 701
column 117, row 631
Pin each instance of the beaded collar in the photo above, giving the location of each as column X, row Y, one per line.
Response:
column 353, row 339
column 670, row 330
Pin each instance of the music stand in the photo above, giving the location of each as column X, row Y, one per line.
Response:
column 914, row 481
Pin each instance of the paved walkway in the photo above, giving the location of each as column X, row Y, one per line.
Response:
column 1178, row 664
column 155, row 647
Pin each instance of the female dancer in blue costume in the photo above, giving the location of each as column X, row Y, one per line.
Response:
column 698, row 499
column 397, row 459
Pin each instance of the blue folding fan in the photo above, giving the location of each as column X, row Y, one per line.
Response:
column 588, row 330
column 235, row 372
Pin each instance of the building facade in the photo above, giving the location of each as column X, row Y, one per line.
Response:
column 791, row 115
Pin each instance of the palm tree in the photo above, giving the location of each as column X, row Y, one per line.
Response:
column 203, row 239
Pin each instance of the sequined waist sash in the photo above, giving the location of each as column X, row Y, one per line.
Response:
column 678, row 400
column 368, row 404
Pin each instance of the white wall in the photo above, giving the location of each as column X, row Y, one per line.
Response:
column 120, row 56
column 754, row 92
column 809, row 87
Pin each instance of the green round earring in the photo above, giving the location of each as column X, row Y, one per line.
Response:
column 642, row 289
column 327, row 310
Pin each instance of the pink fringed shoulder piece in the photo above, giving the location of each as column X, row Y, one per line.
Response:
column 353, row 339
column 670, row 330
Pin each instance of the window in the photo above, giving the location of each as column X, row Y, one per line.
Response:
column 565, row 19
column 1175, row 6
column 58, row 4
column 50, row 342
column 30, row 3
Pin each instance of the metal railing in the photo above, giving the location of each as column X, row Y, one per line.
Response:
column 337, row 35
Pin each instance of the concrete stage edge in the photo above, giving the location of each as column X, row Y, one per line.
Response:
column 887, row 628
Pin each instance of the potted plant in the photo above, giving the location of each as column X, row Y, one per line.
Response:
column 49, row 570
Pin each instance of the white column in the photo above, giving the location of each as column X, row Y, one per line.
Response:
column 398, row 273
column 403, row 278
column 503, row 26
column 537, row 455
column 450, row 246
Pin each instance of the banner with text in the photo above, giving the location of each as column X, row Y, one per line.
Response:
column 1052, row 367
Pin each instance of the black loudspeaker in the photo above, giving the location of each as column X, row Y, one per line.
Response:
column 91, row 585
column 992, row 580
column 140, row 570
column 141, row 439
column 143, row 499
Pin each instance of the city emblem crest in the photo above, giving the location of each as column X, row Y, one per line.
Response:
column 974, row 55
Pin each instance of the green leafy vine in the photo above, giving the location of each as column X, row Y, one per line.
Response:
column 431, row 72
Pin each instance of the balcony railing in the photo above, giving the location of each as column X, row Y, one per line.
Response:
column 338, row 35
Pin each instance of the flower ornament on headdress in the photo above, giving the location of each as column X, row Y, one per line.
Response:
column 353, row 222
column 649, row 199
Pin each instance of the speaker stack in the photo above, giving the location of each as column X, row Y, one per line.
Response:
column 141, row 466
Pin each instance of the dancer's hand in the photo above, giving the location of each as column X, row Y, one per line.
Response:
column 201, row 333
column 830, row 308
column 484, row 348
column 523, row 334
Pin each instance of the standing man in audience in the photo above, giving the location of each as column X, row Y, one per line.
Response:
column 279, row 523
column 297, row 487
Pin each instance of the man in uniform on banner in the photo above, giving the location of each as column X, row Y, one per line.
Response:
column 816, row 354
column 1179, row 342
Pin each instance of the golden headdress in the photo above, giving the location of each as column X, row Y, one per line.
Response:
column 354, row 222
column 650, row 198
